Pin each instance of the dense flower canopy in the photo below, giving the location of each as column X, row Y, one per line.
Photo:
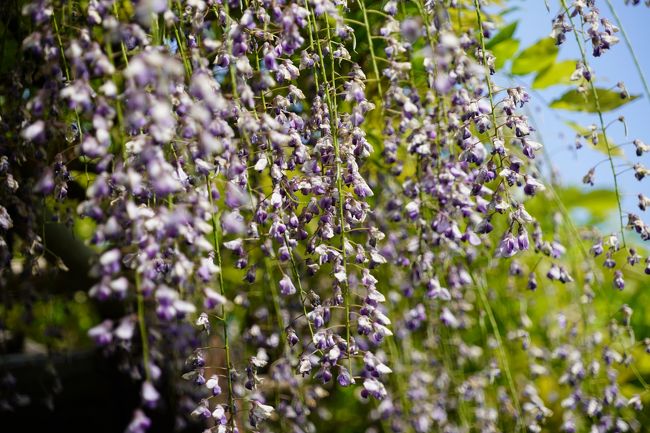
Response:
column 301, row 205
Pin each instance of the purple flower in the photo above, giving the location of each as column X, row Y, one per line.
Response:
column 619, row 282
column 259, row 412
column 286, row 286
column 219, row 414
column 508, row 246
column 373, row 387
column 102, row 333
column 110, row 261
column 140, row 423
column 344, row 378
column 448, row 318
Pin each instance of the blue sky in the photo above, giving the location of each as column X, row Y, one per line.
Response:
column 614, row 66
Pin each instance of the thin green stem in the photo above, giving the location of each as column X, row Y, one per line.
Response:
column 156, row 35
column 226, row 342
column 276, row 299
column 631, row 49
column 341, row 198
column 66, row 69
column 118, row 108
column 594, row 94
column 481, row 290
column 480, row 285
column 122, row 45
column 303, row 294
column 181, row 48
column 333, row 116
column 311, row 41
column 489, row 83
column 485, row 65
column 58, row 39
column 393, row 352
column 269, row 272
column 182, row 43
column 371, row 47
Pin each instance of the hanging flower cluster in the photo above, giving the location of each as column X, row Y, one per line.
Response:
column 291, row 198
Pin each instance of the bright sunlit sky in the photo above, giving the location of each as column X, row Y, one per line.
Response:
column 615, row 65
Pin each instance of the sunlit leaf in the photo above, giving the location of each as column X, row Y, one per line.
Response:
column 535, row 58
column 577, row 101
column 504, row 52
column 598, row 202
column 85, row 179
column 556, row 73
column 84, row 228
column 510, row 10
column 602, row 146
column 504, row 35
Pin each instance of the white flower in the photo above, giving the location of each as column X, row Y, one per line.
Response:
column 260, row 412
column 149, row 394
column 126, row 328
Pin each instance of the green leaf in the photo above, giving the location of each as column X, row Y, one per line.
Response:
column 504, row 52
column 509, row 10
column 535, row 58
column 556, row 73
column 601, row 147
column 504, row 35
column 599, row 202
column 82, row 178
column 576, row 101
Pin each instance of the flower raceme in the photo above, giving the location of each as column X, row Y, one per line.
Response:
column 291, row 198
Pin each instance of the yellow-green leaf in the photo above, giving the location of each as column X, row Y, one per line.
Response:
column 83, row 178
column 504, row 52
column 599, row 202
column 535, row 58
column 504, row 35
column 601, row 146
column 556, row 73
column 584, row 101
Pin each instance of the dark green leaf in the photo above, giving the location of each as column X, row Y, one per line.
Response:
column 535, row 58
column 556, row 73
column 10, row 53
column 576, row 101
